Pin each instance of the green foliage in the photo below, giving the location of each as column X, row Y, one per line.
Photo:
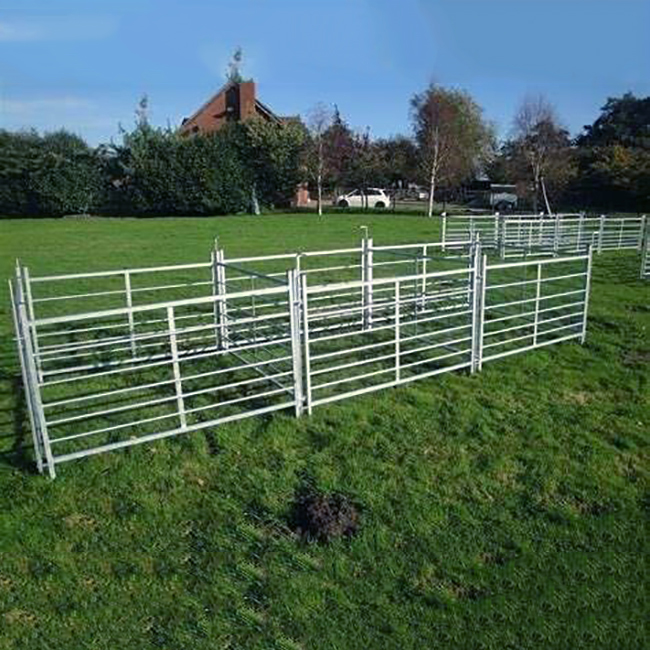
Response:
column 623, row 121
column 454, row 140
column 339, row 149
column 614, row 155
column 160, row 172
column 544, row 152
column 153, row 171
column 271, row 154
column 52, row 175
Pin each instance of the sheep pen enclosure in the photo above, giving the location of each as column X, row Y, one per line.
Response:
column 113, row 359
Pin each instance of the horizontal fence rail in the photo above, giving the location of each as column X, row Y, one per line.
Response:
column 114, row 359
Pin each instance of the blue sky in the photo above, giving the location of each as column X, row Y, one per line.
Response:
column 83, row 64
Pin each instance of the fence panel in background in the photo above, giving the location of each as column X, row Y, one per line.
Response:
column 542, row 235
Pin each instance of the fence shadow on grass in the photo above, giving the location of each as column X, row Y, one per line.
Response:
column 14, row 432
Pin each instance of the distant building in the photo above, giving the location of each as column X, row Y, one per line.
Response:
column 236, row 102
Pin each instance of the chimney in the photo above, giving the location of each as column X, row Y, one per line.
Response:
column 246, row 100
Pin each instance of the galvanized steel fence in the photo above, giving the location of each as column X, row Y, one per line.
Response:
column 113, row 359
column 547, row 235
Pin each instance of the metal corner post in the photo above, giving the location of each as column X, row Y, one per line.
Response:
column 601, row 232
column 33, row 386
column 583, row 338
column 444, row 230
column 367, row 274
column 38, row 450
column 643, row 232
column 305, row 341
column 129, row 315
column 220, row 303
column 294, row 293
column 477, row 282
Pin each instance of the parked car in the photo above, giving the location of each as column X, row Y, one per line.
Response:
column 372, row 197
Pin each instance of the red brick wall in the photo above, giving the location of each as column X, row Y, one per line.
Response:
column 246, row 100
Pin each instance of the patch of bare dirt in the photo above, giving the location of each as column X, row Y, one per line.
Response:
column 324, row 517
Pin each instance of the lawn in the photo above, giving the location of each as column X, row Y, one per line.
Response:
column 502, row 510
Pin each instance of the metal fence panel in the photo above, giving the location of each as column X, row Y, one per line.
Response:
column 114, row 359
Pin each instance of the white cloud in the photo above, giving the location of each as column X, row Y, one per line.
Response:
column 57, row 28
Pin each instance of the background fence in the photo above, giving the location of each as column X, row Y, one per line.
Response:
column 113, row 359
column 538, row 234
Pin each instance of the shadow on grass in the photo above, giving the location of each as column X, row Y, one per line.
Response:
column 18, row 456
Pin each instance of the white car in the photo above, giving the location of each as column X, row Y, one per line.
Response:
column 373, row 197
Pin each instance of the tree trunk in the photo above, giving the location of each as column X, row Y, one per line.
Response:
column 320, row 195
column 432, row 190
column 548, row 205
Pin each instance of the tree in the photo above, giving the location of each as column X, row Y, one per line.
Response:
column 451, row 135
column 271, row 152
column 339, row 152
column 540, row 142
column 623, row 121
column 397, row 162
column 318, row 122
column 614, row 156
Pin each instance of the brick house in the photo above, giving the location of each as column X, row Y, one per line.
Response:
column 234, row 102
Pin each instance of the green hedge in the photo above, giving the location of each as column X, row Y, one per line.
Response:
column 153, row 172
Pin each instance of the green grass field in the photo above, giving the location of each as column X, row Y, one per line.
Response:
column 502, row 510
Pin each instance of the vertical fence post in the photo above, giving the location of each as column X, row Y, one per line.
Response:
column 33, row 384
column 178, row 384
column 538, row 295
column 129, row 313
column 444, row 230
column 423, row 281
column 367, row 273
column 581, row 227
column 583, row 338
column 481, row 310
column 294, row 327
column 620, row 234
column 642, row 232
column 215, row 294
column 601, row 231
column 23, row 373
column 476, row 281
column 397, row 331
column 27, row 284
column 556, row 236
column 305, row 341
column 503, row 233
column 497, row 230
column 220, row 304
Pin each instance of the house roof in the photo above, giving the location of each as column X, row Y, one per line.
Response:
column 260, row 108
